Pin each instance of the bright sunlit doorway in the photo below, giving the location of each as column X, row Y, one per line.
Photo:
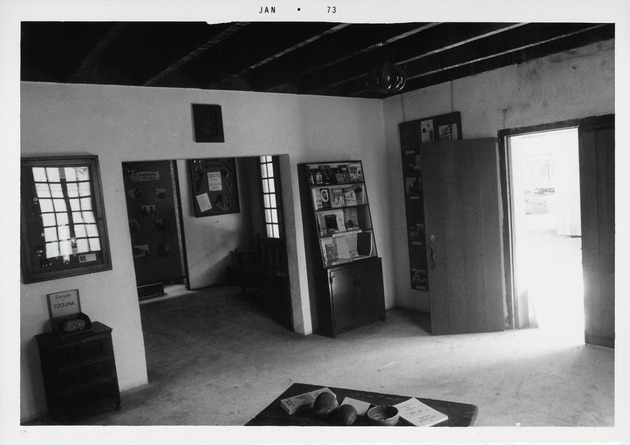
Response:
column 546, row 232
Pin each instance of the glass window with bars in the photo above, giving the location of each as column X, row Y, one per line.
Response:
column 271, row 200
column 65, row 199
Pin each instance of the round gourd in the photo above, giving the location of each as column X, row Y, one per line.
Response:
column 325, row 404
column 346, row 414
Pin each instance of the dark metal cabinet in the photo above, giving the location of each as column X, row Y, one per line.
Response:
column 79, row 372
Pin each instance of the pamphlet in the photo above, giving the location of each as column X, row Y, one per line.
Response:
column 419, row 414
column 350, row 197
column 359, row 405
column 302, row 402
column 338, row 197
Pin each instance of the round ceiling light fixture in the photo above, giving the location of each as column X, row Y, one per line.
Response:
column 386, row 78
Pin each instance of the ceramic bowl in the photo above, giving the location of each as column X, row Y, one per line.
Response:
column 383, row 415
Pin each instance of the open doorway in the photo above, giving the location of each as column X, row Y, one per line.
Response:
column 545, row 216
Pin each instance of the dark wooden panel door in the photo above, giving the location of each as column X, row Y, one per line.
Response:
column 597, row 191
column 463, row 226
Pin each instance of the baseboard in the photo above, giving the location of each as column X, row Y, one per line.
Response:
column 599, row 340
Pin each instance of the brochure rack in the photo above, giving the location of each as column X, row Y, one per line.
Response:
column 344, row 270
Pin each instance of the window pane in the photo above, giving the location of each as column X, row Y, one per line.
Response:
column 75, row 204
column 88, row 217
column 266, row 201
column 77, row 217
column 71, row 174
column 269, row 230
column 84, row 189
column 53, row 174
column 64, row 232
column 79, row 231
column 62, row 219
column 52, row 250
column 83, row 245
column 276, row 231
column 65, row 248
column 39, row 174
column 60, row 205
column 272, row 186
column 48, row 220
column 42, row 190
column 73, row 189
column 50, row 234
column 270, row 170
column 86, row 203
column 56, row 191
column 263, row 170
column 265, row 184
column 274, row 216
column 95, row 244
column 45, row 205
column 83, row 173
column 267, row 215
column 272, row 201
column 91, row 230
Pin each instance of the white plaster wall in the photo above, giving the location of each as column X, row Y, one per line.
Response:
column 134, row 124
column 564, row 86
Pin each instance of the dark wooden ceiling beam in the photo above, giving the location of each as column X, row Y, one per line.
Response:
column 258, row 42
column 199, row 50
column 439, row 40
column 538, row 45
column 287, row 51
column 82, row 73
column 333, row 49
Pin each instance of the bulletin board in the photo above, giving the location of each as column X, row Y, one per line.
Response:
column 412, row 135
column 214, row 186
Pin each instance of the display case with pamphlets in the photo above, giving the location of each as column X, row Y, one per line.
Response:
column 338, row 232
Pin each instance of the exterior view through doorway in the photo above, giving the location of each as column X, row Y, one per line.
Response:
column 546, row 231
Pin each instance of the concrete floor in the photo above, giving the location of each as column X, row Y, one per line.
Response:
column 214, row 358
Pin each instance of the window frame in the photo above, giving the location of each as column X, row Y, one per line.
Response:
column 32, row 224
column 275, row 177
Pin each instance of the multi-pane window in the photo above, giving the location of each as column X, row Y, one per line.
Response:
column 63, row 223
column 65, row 200
column 271, row 197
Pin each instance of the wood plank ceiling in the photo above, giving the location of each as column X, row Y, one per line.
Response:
column 329, row 59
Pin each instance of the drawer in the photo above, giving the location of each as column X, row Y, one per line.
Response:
column 74, row 353
column 83, row 375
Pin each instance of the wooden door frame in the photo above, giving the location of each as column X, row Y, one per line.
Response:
column 505, row 180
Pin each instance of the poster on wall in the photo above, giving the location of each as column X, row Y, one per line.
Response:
column 412, row 135
column 214, row 186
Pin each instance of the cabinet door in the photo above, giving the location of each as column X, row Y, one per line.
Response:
column 345, row 297
column 357, row 294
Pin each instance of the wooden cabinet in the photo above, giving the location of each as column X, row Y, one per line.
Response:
column 344, row 271
column 79, row 371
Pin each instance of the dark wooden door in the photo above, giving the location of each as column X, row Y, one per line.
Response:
column 597, row 191
column 464, row 236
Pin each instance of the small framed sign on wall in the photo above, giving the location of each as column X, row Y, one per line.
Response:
column 208, row 123
column 214, row 186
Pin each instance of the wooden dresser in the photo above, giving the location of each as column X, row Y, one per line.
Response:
column 79, row 372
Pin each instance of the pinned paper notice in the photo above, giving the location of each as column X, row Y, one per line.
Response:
column 359, row 405
column 214, row 182
column 204, row 202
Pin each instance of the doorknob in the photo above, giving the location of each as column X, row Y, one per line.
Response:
column 432, row 262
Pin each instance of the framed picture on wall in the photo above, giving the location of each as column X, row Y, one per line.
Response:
column 208, row 123
column 214, row 186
